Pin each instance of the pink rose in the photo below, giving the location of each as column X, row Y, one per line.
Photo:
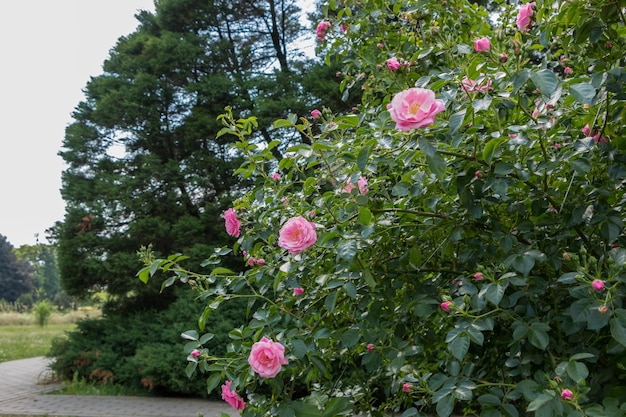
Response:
column 297, row 234
column 567, row 394
column 524, row 16
column 267, row 357
column 260, row 262
column 322, row 29
column 472, row 86
column 251, row 261
column 316, row 114
column 195, row 353
column 445, row 306
column 407, row 387
column 597, row 284
column 478, row 276
column 568, row 70
column 586, row 130
column 298, row 291
column 370, row 347
column 414, row 108
column 231, row 397
column 393, row 64
column 361, row 183
column 232, row 222
column 276, row 176
column 482, row 45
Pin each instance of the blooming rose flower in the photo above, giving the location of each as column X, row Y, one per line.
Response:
column 321, row 30
column 251, row 261
column 297, row 234
column 260, row 262
column 568, row 70
column 393, row 64
column 233, row 225
column 445, row 306
column 267, row 357
column 276, row 176
column 231, row 397
column 316, row 114
column 482, row 45
column 567, row 394
column 597, row 284
column 524, row 16
column 298, row 291
column 414, row 108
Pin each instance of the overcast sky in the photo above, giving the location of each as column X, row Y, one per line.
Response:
column 49, row 49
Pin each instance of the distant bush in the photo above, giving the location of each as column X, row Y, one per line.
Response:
column 43, row 311
column 142, row 352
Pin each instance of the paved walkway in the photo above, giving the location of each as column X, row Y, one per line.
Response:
column 24, row 384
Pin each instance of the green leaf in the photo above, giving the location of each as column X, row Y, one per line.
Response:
column 222, row 271
column 545, row 81
column 482, row 104
column 331, row 301
column 213, row 381
column 540, row 401
column 365, row 216
column 618, row 331
column 538, row 338
column 427, row 145
column 456, row 121
column 445, row 406
column 347, row 249
column 491, row 148
column 583, row 93
column 190, row 335
column 369, row 278
column 489, row 400
column 437, row 165
column 205, row 338
column 459, row 346
column 350, row 338
column 190, row 369
column 577, row 371
column 337, row 406
column 361, row 160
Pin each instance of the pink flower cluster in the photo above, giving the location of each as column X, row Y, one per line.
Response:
column 414, row 108
column 473, row 86
column 322, row 29
column 361, row 183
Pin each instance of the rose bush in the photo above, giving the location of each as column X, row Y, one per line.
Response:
column 482, row 272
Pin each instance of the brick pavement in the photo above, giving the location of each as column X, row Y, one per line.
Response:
column 25, row 387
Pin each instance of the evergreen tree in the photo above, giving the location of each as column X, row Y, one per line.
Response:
column 144, row 166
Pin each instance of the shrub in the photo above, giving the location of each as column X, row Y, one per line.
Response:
column 43, row 310
column 143, row 351
column 468, row 250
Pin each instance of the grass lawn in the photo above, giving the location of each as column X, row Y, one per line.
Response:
column 28, row 341
column 21, row 337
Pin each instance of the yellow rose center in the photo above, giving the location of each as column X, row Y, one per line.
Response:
column 414, row 108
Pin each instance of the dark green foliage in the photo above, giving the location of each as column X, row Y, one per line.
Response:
column 16, row 277
column 143, row 351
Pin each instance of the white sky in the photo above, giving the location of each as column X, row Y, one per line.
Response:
column 48, row 51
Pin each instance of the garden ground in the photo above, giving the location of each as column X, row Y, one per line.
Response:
column 25, row 386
